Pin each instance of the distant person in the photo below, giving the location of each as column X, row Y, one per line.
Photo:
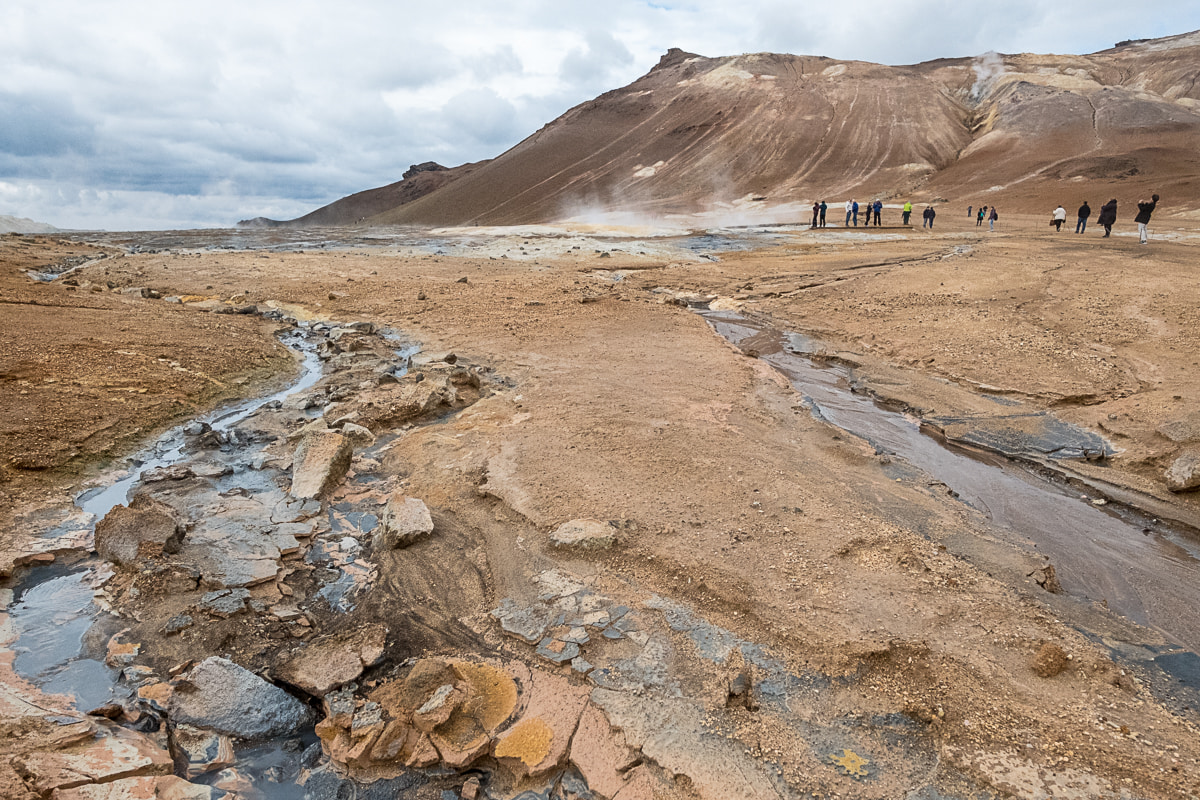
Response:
column 969, row 214
column 816, row 212
column 992, row 217
column 1143, row 216
column 982, row 214
column 849, row 211
column 824, row 208
column 1060, row 216
column 1108, row 216
column 1085, row 211
column 854, row 208
column 927, row 217
column 877, row 207
column 906, row 212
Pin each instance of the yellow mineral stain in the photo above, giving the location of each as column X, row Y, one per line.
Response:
column 528, row 740
column 852, row 763
column 492, row 693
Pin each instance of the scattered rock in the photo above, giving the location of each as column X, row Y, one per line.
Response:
column 113, row 754
column 358, row 435
column 145, row 528
column 319, row 463
column 1047, row 579
column 220, row 696
column 224, row 603
column 1184, row 473
column 200, row 751
column 1051, row 660
column 405, row 519
column 585, row 534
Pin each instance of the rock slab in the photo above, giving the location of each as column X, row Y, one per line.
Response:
column 405, row 519
column 1184, row 473
column 220, row 696
column 319, row 463
column 586, row 534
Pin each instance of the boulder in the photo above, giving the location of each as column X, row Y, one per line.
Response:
column 1184, row 473
column 220, row 696
column 585, row 534
column 405, row 519
column 145, row 528
column 358, row 435
column 319, row 463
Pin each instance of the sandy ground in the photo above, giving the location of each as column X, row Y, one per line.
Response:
column 609, row 399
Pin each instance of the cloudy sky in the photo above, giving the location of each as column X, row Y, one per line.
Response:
column 129, row 114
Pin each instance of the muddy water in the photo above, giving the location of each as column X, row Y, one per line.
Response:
column 1144, row 570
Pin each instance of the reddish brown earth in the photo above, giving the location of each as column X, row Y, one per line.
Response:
column 605, row 400
column 763, row 135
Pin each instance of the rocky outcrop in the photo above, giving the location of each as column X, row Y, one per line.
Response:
column 218, row 695
column 319, row 463
column 143, row 529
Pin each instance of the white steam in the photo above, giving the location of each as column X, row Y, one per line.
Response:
column 987, row 67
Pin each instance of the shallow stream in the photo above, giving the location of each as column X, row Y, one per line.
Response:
column 1143, row 569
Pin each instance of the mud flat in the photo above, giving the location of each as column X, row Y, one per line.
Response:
column 537, row 531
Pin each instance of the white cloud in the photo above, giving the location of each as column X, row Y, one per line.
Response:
column 132, row 113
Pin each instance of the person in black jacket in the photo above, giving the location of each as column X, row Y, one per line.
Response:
column 1143, row 217
column 1085, row 211
column 1108, row 216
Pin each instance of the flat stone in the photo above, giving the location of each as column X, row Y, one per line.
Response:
column 555, row 583
column 528, row 623
column 144, row 528
column 538, row 741
column 117, row 753
column 557, row 650
column 319, row 463
column 584, row 534
column 1184, row 473
column 438, row 708
column 405, row 519
column 327, row 662
column 226, row 602
column 147, row 787
column 220, row 696
column 600, row 753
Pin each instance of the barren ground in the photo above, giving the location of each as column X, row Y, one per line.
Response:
column 604, row 399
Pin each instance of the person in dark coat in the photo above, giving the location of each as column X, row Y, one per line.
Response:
column 816, row 213
column 927, row 217
column 1085, row 211
column 877, row 207
column 982, row 214
column 1143, row 216
column 824, row 208
column 1108, row 216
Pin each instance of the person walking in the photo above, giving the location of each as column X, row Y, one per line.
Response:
column 906, row 212
column 824, row 208
column 1060, row 216
column 982, row 214
column 1108, row 216
column 1085, row 211
column 849, row 209
column 816, row 212
column 969, row 214
column 1143, row 216
column 927, row 217
column 878, row 207
column 854, row 208
column 992, row 217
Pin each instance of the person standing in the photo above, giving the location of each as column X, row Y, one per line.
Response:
column 849, row 209
column 824, row 208
column 1143, row 216
column 1108, row 216
column 969, row 214
column 982, row 213
column 906, row 212
column 855, row 210
column 1060, row 216
column 992, row 217
column 877, row 207
column 1085, row 211
column 816, row 211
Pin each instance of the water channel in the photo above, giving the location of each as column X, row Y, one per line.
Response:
column 1143, row 569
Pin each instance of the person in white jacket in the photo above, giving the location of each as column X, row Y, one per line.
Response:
column 849, row 211
column 1060, row 216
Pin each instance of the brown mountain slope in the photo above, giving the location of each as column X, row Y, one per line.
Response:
column 694, row 134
